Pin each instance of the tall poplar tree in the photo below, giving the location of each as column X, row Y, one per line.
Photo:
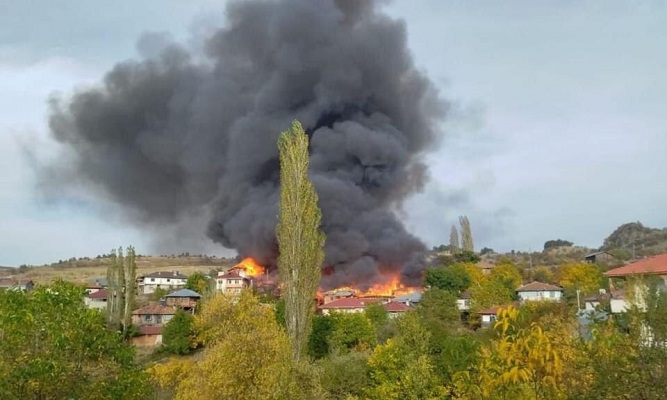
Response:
column 454, row 240
column 300, row 240
column 466, row 234
column 121, row 289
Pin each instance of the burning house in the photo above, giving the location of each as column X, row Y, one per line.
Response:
column 196, row 131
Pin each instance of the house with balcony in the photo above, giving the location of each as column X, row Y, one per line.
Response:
column 184, row 298
column 232, row 282
column 167, row 280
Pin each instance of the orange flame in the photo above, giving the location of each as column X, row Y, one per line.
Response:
column 391, row 287
column 384, row 289
column 250, row 266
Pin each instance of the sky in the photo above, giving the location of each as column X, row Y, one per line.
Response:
column 557, row 127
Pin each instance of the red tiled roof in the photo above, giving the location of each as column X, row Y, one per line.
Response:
column 656, row 265
column 150, row 330
column 491, row 311
column 154, row 309
column 395, row 306
column 99, row 295
column 349, row 302
column 538, row 287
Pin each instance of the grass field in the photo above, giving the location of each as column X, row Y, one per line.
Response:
column 86, row 269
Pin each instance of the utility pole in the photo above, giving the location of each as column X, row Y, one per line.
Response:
column 578, row 302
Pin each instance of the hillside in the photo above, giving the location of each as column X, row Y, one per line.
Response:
column 84, row 269
column 637, row 238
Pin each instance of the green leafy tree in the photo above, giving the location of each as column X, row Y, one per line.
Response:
column 402, row 367
column 318, row 342
column 177, row 337
column 557, row 243
column 345, row 376
column 454, row 279
column 351, row 331
column 53, row 347
column 300, row 240
column 121, row 281
column 198, row 282
column 438, row 311
column 377, row 315
column 158, row 294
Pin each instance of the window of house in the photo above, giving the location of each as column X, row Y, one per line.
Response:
column 152, row 279
column 168, row 280
column 552, row 294
column 492, row 318
column 229, row 281
column 147, row 318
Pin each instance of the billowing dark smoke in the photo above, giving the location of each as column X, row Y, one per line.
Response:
column 177, row 132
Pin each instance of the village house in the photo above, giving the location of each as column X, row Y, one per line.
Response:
column 394, row 308
column 153, row 314
column 485, row 266
column 232, row 282
column 599, row 256
column 336, row 294
column 96, row 300
column 651, row 267
column 539, row 291
column 410, row 299
column 348, row 305
column 149, row 335
column 184, row 298
column 463, row 302
column 168, row 280
column 25, row 285
column 592, row 303
column 489, row 316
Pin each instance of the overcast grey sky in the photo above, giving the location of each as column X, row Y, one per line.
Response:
column 558, row 126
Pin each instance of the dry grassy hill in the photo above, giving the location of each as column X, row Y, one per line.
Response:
column 80, row 270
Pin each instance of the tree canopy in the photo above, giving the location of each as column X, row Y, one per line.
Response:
column 52, row 347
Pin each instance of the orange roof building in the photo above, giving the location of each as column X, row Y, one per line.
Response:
column 656, row 265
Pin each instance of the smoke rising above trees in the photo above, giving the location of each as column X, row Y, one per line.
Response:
column 177, row 134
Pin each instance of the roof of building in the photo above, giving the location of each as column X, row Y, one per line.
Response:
column 184, row 293
column 395, row 306
column 232, row 274
column 154, row 309
column 656, row 265
column 485, row 265
column 597, row 253
column 491, row 311
column 166, row 274
column 342, row 293
column 12, row 282
column 349, row 302
column 99, row 295
column 150, row 330
column 102, row 281
column 465, row 295
column 414, row 297
column 538, row 287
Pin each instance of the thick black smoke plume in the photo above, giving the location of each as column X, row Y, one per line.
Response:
column 177, row 132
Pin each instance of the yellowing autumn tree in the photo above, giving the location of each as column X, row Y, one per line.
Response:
column 247, row 355
column 300, row 240
column 523, row 362
column 586, row 277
